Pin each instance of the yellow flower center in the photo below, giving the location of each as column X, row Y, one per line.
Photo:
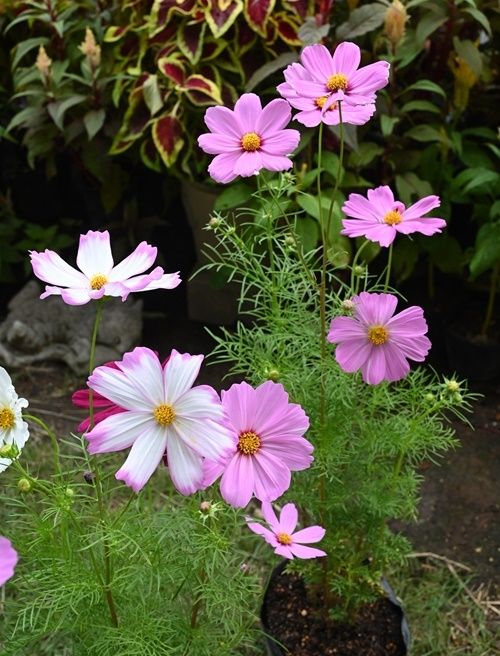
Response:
column 250, row 141
column 378, row 335
column 7, row 419
column 393, row 217
column 337, row 82
column 164, row 414
column 320, row 102
column 249, row 443
column 98, row 281
column 284, row 538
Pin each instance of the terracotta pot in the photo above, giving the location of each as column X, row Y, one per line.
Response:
column 274, row 648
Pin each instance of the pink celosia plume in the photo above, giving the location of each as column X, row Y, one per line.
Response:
column 281, row 534
column 380, row 217
column 162, row 414
column 248, row 138
column 267, row 445
column 97, row 275
column 8, row 560
column 377, row 341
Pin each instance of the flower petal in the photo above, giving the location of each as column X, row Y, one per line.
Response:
column 248, row 163
column 221, row 168
column 352, row 354
column 281, row 143
column 246, row 111
column 69, row 296
column 206, row 437
column 270, row 516
column 237, row 481
column 144, row 457
column 94, row 253
column 119, row 389
column 51, row 268
column 288, row 518
column 268, row 535
column 185, row 466
column 137, row 262
column 144, row 371
column 300, row 551
column 374, row 368
column 421, row 207
column 118, row 431
column 214, row 144
column 239, row 402
column 179, row 374
column 318, row 62
column 272, row 476
column 309, row 535
column 222, row 120
column 273, row 118
column 346, row 59
column 8, row 560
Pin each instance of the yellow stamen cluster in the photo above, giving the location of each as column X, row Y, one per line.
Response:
column 7, row 419
column 393, row 217
column 164, row 414
column 284, row 538
column 320, row 102
column 98, row 281
column 250, row 142
column 337, row 82
column 249, row 443
column 378, row 335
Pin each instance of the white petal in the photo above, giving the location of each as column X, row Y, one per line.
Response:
column 199, row 402
column 144, row 457
column 208, row 438
column 118, row 388
column 137, row 262
column 179, row 374
column 94, row 253
column 143, row 368
column 119, row 431
column 51, row 268
column 185, row 466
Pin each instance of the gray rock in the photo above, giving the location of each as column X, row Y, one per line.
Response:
column 37, row 331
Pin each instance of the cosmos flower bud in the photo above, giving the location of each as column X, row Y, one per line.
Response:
column 91, row 49
column 43, row 64
column 395, row 22
column 24, row 485
column 452, row 385
column 205, row 507
column 359, row 270
column 347, row 306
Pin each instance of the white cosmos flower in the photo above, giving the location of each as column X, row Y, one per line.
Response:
column 13, row 430
column 164, row 415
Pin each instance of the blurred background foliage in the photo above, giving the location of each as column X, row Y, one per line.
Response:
column 112, row 89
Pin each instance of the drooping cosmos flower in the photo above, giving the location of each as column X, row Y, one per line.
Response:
column 163, row 415
column 329, row 78
column 313, row 111
column 281, row 536
column 377, row 341
column 13, row 430
column 268, row 444
column 248, row 138
column 380, row 217
column 106, row 407
column 8, row 560
column 98, row 276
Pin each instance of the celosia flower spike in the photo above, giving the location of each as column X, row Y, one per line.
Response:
column 377, row 341
column 380, row 217
column 8, row 560
column 268, row 444
column 248, row 138
column 14, row 431
column 281, row 533
column 98, row 276
column 162, row 414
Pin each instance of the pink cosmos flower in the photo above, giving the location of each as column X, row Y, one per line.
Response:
column 248, row 138
column 380, row 217
column 98, row 276
column 8, row 560
column 329, row 78
column 267, row 444
column 314, row 110
column 377, row 341
column 281, row 536
column 80, row 398
column 163, row 414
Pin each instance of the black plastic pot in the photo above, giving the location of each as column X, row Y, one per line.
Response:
column 273, row 646
column 472, row 358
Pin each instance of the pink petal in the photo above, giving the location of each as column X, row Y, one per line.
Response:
column 119, row 431
column 309, row 535
column 270, row 516
column 318, row 62
column 284, row 551
column 214, row 144
column 272, row 476
column 382, row 199
column 416, row 348
column 212, row 470
column 240, row 404
column 294, row 451
column 221, row 168
column 426, row 226
column 8, row 560
column 155, row 280
column 94, row 253
column 374, row 369
column 184, row 465
column 144, row 457
column 237, row 481
column 408, row 323
column 268, row 536
column 223, row 121
column 346, row 58
column 368, row 79
column 360, row 207
column 310, row 118
column 143, row 368
column 179, row 374
column 138, row 261
column 345, row 328
column 288, row 518
column 375, row 309
column 352, row 354
column 283, row 142
column 51, row 268
column 397, row 366
column 69, row 296
column 300, row 551
column 276, row 162
column 247, row 111
column 382, row 233
column 248, row 163
column 418, row 209
column 273, row 118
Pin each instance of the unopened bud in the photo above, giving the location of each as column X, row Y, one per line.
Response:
column 69, row 492
column 457, row 397
column 89, row 477
column 9, row 451
column 43, row 64
column 205, row 507
column 289, row 240
column 24, row 485
column 429, row 397
column 272, row 374
column 452, row 385
column 347, row 306
column 244, row 568
column 214, row 223
column 395, row 22
column 359, row 270
column 90, row 49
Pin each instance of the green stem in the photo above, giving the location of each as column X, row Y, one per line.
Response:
column 354, row 263
column 388, row 270
column 53, row 439
column 491, row 300
column 339, row 170
column 93, row 343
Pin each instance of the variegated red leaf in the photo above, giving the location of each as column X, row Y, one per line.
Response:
column 167, row 136
column 287, row 29
column 220, row 16
column 301, row 8
column 149, row 155
column 162, row 11
column 257, row 13
column 134, row 122
column 172, row 68
column 115, row 33
column 190, row 40
column 202, row 91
